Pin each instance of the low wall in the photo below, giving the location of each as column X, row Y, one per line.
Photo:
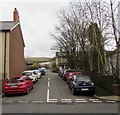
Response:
column 2, row 81
column 102, row 81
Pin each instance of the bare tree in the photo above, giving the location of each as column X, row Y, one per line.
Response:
column 116, row 37
column 73, row 37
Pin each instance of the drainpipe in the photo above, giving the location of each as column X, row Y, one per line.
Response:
column 5, row 55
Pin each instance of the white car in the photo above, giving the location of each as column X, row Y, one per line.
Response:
column 38, row 73
column 32, row 74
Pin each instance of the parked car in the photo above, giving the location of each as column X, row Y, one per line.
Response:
column 32, row 74
column 42, row 70
column 38, row 73
column 66, row 73
column 70, row 76
column 18, row 84
column 81, row 83
column 61, row 72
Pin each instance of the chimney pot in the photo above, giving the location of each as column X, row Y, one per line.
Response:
column 16, row 15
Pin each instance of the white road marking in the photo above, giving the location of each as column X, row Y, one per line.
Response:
column 49, row 79
column 66, row 99
column 48, row 84
column 81, row 101
column 110, row 101
column 52, row 99
column 93, row 99
column 37, row 101
column 22, row 101
column 96, row 101
column 48, row 94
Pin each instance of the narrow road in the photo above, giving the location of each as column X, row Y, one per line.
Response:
column 52, row 95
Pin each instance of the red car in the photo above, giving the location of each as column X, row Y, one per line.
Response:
column 66, row 73
column 18, row 84
column 70, row 76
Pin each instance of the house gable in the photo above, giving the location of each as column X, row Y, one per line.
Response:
column 19, row 37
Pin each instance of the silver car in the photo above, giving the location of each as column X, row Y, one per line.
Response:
column 32, row 74
column 38, row 73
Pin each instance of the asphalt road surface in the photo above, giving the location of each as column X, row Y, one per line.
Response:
column 52, row 95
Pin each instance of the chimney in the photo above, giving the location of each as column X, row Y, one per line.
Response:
column 16, row 15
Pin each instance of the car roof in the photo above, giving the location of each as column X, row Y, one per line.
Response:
column 35, row 70
column 16, row 76
column 28, row 71
column 83, row 78
column 75, row 72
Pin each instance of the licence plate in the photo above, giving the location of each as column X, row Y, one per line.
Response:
column 84, row 89
column 13, row 86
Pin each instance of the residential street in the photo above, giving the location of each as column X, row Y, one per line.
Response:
column 52, row 95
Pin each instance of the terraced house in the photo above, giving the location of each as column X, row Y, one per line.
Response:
column 11, row 47
column 111, row 61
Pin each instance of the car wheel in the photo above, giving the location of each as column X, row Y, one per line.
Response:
column 64, row 79
column 6, row 94
column 32, row 87
column 92, row 93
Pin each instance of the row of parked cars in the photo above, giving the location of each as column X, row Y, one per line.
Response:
column 77, row 81
column 23, row 83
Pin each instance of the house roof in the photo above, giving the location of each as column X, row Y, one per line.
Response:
column 8, row 25
column 60, row 54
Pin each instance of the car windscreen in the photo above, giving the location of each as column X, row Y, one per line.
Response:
column 27, row 73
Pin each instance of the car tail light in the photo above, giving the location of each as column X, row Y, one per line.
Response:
column 6, row 85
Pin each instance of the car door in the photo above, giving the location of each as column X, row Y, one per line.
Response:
column 73, row 81
column 35, row 75
column 28, row 82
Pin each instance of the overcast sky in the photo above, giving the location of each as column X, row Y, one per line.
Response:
column 37, row 19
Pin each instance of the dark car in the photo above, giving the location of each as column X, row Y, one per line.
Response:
column 81, row 83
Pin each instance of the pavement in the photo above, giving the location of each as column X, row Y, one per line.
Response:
column 109, row 98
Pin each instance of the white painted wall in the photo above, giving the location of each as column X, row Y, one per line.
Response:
column 119, row 16
column 1, row 42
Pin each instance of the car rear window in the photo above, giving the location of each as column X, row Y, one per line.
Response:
column 15, row 80
column 85, row 78
column 27, row 73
